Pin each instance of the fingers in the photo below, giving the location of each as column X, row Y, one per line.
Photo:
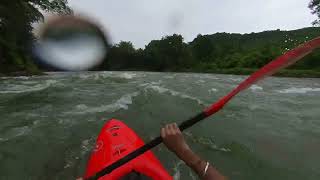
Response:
column 163, row 132
column 176, row 128
column 167, row 128
column 175, row 125
column 170, row 129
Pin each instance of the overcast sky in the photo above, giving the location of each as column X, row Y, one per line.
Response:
column 141, row 21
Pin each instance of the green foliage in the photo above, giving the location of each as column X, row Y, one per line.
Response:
column 203, row 48
column 16, row 20
column 314, row 5
column 168, row 54
column 219, row 53
column 121, row 56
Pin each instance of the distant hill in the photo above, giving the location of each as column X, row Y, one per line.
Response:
column 219, row 53
column 254, row 49
column 230, row 53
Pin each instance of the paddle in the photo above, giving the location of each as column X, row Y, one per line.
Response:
column 281, row 62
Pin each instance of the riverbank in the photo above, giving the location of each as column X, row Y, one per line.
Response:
column 282, row 73
column 235, row 71
column 245, row 71
column 22, row 73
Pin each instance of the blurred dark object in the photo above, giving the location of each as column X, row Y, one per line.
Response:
column 70, row 43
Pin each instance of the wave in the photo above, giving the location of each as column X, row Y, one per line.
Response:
column 206, row 141
column 298, row 90
column 162, row 90
column 15, row 89
column 16, row 132
column 204, row 76
column 151, row 83
column 168, row 77
column 127, row 75
column 17, row 77
column 256, row 88
column 103, row 75
column 87, row 145
column 236, row 79
column 212, row 90
column 200, row 81
column 176, row 169
column 121, row 103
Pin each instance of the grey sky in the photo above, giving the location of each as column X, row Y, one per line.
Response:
column 141, row 21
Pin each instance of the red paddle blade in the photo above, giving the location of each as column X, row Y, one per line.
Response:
column 274, row 66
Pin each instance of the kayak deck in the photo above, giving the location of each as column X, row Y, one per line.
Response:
column 115, row 141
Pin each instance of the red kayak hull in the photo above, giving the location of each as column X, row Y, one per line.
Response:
column 115, row 141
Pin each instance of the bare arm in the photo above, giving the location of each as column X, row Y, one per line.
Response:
column 173, row 139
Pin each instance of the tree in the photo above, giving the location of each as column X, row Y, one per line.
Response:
column 18, row 16
column 16, row 24
column 314, row 5
column 202, row 48
column 169, row 53
column 121, row 56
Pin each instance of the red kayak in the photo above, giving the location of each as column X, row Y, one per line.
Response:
column 115, row 141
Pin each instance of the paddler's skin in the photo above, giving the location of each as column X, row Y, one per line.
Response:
column 174, row 140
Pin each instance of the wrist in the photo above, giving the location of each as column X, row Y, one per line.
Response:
column 181, row 149
column 184, row 153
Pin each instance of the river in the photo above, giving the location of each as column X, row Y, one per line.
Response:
column 48, row 124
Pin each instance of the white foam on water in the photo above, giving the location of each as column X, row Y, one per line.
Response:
column 97, row 76
column 209, row 142
column 213, row 90
column 81, row 107
column 17, row 77
column 212, row 77
column 16, row 89
column 256, row 88
column 193, row 177
column 84, row 76
column 36, row 122
column 162, row 90
column 298, row 90
column 122, row 75
column 29, row 82
column 86, row 146
column 121, row 103
column 253, row 107
column 16, row 132
column 20, row 131
column 205, row 76
column 238, row 79
column 168, row 77
column 176, row 169
column 151, row 83
column 3, row 139
column 67, row 165
column 201, row 81
column 127, row 75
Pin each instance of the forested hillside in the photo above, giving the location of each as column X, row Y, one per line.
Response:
column 220, row 52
